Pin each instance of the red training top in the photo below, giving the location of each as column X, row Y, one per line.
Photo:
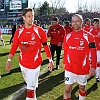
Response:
column 57, row 34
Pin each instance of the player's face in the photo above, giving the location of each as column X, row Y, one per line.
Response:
column 88, row 23
column 76, row 23
column 96, row 24
column 54, row 22
column 28, row 18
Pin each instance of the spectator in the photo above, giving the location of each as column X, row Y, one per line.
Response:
column 3, row 44
column 13, row 32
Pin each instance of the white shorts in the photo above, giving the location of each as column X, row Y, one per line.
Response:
column 98, row 56
column 70, row 78
column 30, row 76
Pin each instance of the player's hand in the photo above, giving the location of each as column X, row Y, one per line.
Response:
column 92, row 72
column 59, row 44
column 8, row 66
column 51, row 66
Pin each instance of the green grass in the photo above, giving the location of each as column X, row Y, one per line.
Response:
column 51, row 85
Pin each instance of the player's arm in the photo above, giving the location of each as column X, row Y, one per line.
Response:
column 48, row 54
column 47, row 50
column 13, row 49
column 92, row 47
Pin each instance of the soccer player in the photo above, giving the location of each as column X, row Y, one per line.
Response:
column 67, row 27
column 1, row 38
column 96, row 32
column 77, row 46
column 87, row 27
column 57, row 33
column 29, row 38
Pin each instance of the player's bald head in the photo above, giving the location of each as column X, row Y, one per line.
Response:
column 78, row 16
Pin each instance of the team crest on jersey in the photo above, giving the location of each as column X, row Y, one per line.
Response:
column 81, row 42
column 32, row 37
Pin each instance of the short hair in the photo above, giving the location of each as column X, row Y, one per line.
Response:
column 79, row 16
column 55, row 19
column 27, row 10
column 87, row 19
column 67, row 23
column 96, row 20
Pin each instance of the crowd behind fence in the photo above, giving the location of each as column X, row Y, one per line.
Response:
column 45, row 20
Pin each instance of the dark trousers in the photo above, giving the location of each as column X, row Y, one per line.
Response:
column 56, row 48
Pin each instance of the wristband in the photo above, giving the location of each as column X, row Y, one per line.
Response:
column 50, row 60
column 9, row 60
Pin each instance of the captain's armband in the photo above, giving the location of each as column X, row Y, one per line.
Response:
column 92, row 45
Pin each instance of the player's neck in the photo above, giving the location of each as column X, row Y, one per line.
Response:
column 28, row 25
column 77, row 30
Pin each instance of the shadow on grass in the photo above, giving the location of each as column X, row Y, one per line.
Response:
column 51, row 82
column 10, row 90
column 12, row 71
column 92, row 88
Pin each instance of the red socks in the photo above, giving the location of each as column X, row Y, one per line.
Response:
column 30, row 93
column 67, row 99
column 82, row 94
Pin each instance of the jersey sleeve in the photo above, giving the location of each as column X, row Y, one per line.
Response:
column 15, row 43
column 91, row 38
column 65, row 47
column 92, row 47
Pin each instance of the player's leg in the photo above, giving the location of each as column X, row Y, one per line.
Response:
column 52, row 49
column 58, row 52
column 82, row 80
column 69, row 80
column 2, row 40
column 98, row 67
column 31, row 79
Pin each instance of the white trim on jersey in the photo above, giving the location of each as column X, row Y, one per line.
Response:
column 67, row 37
column 20, row 31
column 36, row 55
column 36, row 31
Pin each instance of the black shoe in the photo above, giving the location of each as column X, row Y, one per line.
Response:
column 57, row 67
column 97, row 80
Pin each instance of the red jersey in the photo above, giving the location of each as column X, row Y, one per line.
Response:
column 87, row 28
column 68, row 29
column 96, row 34
column 76, row 52
column 29, row 41
column 57, row 33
